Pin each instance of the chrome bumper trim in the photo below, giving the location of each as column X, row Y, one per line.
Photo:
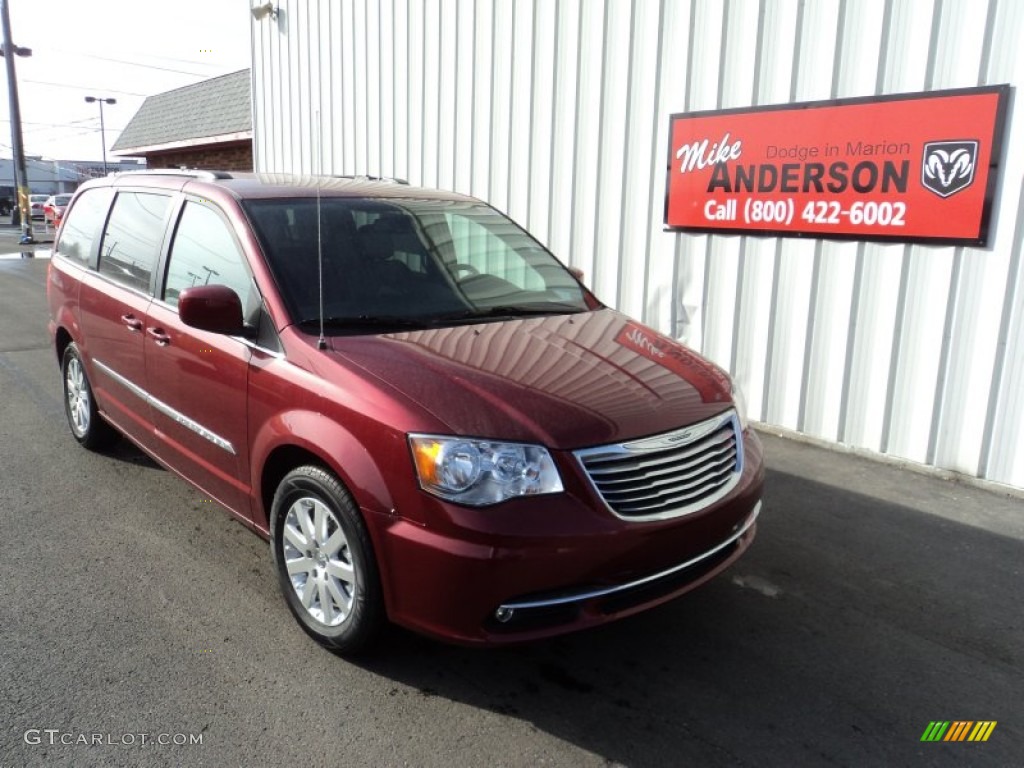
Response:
column 592, row 593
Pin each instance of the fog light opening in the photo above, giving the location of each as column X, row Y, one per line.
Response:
column 504, row 615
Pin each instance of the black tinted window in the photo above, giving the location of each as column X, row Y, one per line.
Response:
column 429, row 261
column 83, row 224
column 205, row 253
column 131, row 243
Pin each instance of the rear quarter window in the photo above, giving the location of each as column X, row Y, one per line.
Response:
column 83, row 224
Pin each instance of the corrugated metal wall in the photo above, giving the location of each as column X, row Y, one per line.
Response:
column 557, row 113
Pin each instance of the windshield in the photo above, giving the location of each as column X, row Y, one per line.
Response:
column 408, row 263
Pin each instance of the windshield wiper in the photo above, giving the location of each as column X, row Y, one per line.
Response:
column 403, row 322
column 513, row 310
column 369, row 321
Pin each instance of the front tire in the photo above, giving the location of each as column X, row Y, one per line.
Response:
column 87, row 426
column 324, row 560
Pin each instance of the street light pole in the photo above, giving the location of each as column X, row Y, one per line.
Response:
column 103, row 132
column 9, row 51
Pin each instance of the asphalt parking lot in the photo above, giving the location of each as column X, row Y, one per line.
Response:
column 873, row 602
column 11, row 235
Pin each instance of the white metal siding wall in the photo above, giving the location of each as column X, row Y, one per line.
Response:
column 557, row 113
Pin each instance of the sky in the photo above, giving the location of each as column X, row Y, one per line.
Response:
column 121, row 49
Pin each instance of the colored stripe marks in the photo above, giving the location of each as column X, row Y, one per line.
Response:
column 958, row 730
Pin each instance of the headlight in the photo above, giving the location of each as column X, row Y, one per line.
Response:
column 740, row 402
column 479, row 472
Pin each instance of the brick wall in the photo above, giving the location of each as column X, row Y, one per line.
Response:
column 233, row 156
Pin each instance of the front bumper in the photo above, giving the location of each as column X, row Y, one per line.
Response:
column 718, row 555
column 516, row 583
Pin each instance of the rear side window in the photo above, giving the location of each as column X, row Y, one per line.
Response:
column 131, row 243
column 82, row 226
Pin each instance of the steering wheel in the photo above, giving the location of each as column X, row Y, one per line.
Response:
column 469, row 269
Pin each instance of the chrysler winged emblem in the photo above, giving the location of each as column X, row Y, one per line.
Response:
column 948, row 166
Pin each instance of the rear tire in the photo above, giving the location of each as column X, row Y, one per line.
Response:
column 87, row 426
column 324, row 561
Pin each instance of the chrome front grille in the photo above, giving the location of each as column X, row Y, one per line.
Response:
column 671, row 474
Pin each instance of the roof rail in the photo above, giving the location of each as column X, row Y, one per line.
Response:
column 193, row 172
column 364, row 177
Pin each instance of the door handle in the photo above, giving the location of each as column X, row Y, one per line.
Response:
column 158, row 335
column 132, row 322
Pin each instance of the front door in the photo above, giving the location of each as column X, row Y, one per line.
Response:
column 198, row 380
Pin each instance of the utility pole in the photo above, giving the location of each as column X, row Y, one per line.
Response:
column 9, row 51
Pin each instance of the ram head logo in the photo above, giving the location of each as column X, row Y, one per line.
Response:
column 948, row 166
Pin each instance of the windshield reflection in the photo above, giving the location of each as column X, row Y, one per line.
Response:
column 408, row 263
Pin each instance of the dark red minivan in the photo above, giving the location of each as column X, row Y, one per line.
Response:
column 428, row 416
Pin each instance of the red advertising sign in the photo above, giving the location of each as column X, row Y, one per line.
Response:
column 913, row 167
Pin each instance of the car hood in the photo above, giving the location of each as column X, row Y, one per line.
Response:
column 568, row 381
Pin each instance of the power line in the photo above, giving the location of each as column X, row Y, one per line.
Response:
column 147, row 55
column 85, row 88
column 78, row 133
column 72, row 124
column 146, row 66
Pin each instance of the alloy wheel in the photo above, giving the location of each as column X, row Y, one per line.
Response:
column 318, row 561
column 78, row 396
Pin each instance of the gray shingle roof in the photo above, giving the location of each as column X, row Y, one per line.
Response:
column 211, row 108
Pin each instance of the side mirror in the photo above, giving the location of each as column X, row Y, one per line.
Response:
column 214, row 308
column 576, row 272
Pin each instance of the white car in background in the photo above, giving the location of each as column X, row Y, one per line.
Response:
column 36, row 204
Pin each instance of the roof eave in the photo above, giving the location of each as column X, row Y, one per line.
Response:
column 200, row 141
